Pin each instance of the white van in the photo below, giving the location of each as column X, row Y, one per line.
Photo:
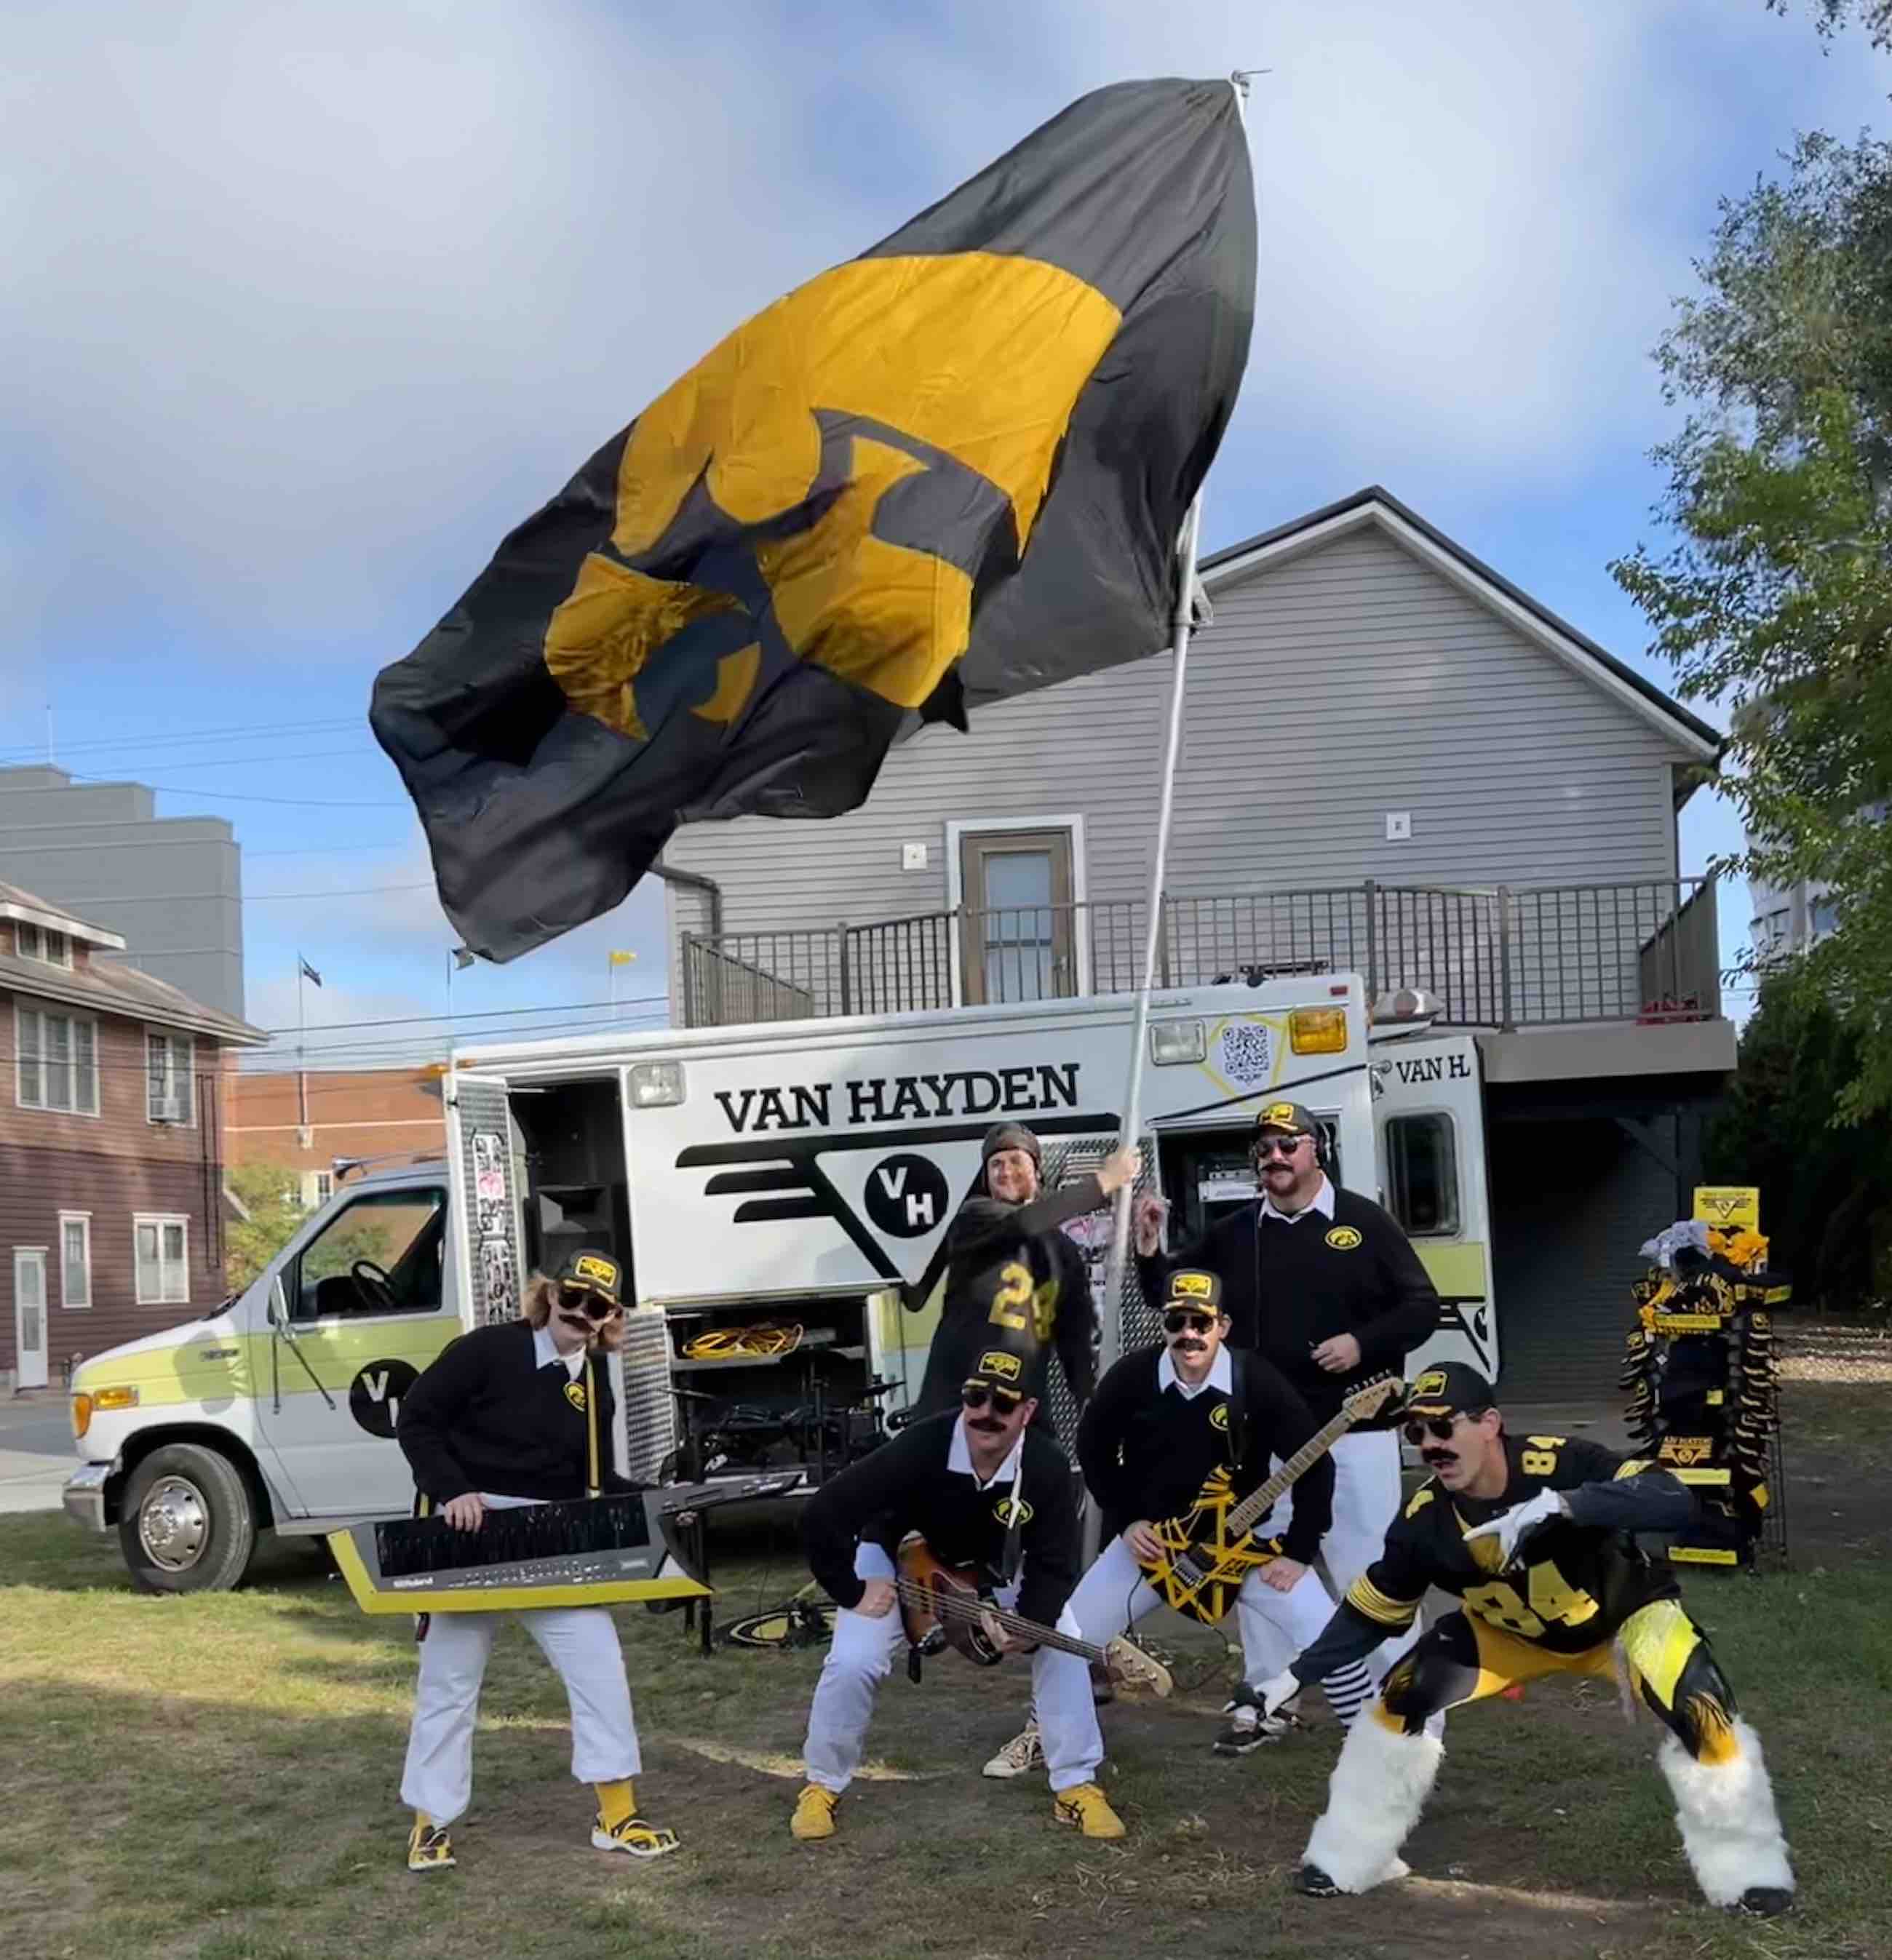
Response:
column 799, row 1174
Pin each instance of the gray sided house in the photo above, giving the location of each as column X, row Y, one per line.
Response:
column 1393, row 762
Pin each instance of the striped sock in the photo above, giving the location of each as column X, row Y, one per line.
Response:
column 1348, row 1690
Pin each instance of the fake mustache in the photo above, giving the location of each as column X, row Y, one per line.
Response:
column 991, row 1425
column 1437, row 1458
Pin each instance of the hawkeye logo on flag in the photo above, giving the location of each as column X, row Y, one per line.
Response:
column 833, row 484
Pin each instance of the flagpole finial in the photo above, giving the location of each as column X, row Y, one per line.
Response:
column 1241, row 76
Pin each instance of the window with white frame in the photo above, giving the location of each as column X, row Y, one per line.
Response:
column 160, row 1246
column 75, row 1258
column 42, row 943
column 168, row 1060
column 56, row 1060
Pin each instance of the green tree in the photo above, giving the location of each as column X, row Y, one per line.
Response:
column 1776, row 599
column 1829, row 16
column 272, row 1197
column 1826, row 1194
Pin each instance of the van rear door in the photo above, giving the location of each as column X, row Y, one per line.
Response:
column 1428, row 1110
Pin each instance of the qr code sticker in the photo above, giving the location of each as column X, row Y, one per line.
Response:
column 1244, row 1054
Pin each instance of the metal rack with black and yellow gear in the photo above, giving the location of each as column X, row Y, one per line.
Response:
column 1703, row 1391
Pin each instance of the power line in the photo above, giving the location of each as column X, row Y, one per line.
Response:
column 490, row 1013
column 216, row 796
column 35, row 757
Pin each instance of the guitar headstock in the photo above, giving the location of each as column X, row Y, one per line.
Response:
column 1371, row 1397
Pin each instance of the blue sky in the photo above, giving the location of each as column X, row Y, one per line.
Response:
column 324, row 300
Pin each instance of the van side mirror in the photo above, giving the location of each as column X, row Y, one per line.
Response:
column 279, row 1311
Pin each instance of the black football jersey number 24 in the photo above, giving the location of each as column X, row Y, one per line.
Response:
column 1573, row 1584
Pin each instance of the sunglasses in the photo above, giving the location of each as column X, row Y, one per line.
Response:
column 1268, row 1147
column 1180, row 1320
column 594, row 1306
column 975, row 1395
column 1438, row 1427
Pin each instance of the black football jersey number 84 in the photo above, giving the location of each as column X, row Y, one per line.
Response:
column 1573, row 1584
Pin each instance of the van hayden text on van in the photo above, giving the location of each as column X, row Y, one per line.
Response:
column 890, row 1099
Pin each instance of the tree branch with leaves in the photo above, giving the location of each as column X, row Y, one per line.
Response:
column 1776, row 600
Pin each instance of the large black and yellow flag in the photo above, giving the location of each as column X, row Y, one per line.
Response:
column 950, row 471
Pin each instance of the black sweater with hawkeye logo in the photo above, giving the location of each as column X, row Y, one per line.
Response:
column 905, row 1486
column 483, row 1418
column 1288, row 1287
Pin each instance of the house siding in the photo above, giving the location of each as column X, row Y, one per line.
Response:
column 112, row 1165
column 1332, row 688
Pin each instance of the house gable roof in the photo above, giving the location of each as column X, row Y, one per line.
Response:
column 1380, row 508
column 107, row 989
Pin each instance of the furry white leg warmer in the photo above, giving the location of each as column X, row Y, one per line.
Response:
column 1730, row 1827
column 1374, row 1796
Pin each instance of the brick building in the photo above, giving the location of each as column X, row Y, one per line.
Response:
column 304, row 1121
column 111, row 1156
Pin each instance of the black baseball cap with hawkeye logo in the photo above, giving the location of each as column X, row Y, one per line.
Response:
column 1190, row 1287
column 1001, row 1370
column 1292, row 1119
column 596, row 1273
column 1451, row 1388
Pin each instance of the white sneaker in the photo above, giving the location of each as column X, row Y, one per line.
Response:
column 1024, row 1752
column 1247, row 1728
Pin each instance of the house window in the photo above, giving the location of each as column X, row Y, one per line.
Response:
column 56, row 1061
column 1825, row 916
column 41, row 942
column 75, row 1258
column 160, row 1246
column 324, row 1186
column 168, row 1077
column 1422, row 1166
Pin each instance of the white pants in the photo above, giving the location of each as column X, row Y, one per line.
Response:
column 1366, row 1501
column 580, row 1641
column 861, row 1657
column 1114, row 1595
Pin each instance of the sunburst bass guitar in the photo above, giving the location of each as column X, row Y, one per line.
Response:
column 1212, row 1548
column 946, row 1606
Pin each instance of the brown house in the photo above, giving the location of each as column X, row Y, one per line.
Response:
column 111, row 1157
column 306, row 1121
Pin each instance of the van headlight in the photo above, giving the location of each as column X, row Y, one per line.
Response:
column 1172, row 1041
column 655, row 1085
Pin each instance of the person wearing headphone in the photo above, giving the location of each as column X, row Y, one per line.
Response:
column 1323, row 1282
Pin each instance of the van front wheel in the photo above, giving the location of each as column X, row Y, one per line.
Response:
column 189, row 1523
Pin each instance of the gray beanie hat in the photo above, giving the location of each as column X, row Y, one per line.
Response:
column 1010, row 1137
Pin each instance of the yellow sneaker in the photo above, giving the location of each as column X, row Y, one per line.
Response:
column 1086, row 1807
column 814, row 1813
column 429, row 1849
column 633, row 1836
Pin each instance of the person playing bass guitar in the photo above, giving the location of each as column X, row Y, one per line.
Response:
column 984, row 1490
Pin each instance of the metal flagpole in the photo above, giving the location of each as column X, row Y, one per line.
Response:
column 1112, row 1344
column 1152, row 939
column 301, row 1030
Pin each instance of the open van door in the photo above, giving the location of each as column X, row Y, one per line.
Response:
column 1429, row 1123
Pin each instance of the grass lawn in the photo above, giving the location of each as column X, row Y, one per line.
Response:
column 216, row 1777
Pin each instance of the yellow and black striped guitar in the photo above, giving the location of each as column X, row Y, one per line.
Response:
column 1212, row 1548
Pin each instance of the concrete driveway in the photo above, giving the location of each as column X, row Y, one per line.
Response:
column 37, row 1454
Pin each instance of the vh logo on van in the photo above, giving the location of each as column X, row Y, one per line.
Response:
column 893, row 1213
column 906, row 1196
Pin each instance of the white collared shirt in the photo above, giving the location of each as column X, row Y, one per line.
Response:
column 959, row 1458
column 545, row 1351
column 1322, row 1201
column 1222, row 1374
